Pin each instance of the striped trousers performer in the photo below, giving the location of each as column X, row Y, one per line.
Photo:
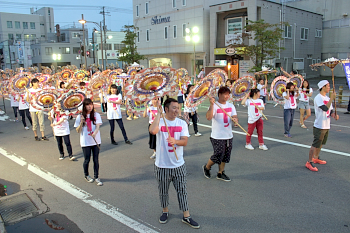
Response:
column 176, row 175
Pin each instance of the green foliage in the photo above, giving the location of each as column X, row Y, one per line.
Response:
column 129, row 53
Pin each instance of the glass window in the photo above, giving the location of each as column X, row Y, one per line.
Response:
column 166, row 33
column 18, row 36
column 65, row 50
column 287, row 32
column 147, row 35
column 146, row 8
column 183, row 2
column 137, row 10
column 9, row 24
column 234, row 25
column 304, row 33
column 63, row 37
column 183, row 30
column 118, row 46
column 76, row 50
column 48, row 50
column 327, row 24
column 318, row 33
column 75, row 35
column 32, row 25
column 17, row 24
column 175, row 31
column 10, row 36
column 25, row 25
column 32, row 36
column 174, row 3
column 26, row 37
column 138, row 36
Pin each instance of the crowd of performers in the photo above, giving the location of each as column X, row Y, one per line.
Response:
column 168, row 133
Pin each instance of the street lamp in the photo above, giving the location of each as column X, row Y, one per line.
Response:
column 83, row 22
column 191, row 34
column 56, row 57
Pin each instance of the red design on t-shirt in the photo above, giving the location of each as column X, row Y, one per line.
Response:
column 256, row 109
column 225, row 115
column 172, row 130
column 292, row 102
column 154, row 114
column 22, row 98
column 305, row 96
column 114, row 99
column 89, row 125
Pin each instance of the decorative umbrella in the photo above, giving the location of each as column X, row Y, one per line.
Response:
column 80, row 75
column 66, row 75
column 200, row 92
column 241, row 87
column 137, row 106
column 20, row 82
column 97, row 82
column 278, row 86
column 70, row 102
column 297, row 80
column 44, row 99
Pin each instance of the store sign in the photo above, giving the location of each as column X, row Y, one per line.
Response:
column 20, row 50
column 233, row 39
column 230, row 51
column 159, row 20
column 234, row 25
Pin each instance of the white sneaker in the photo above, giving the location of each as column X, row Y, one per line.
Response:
column 99, row 182
column 263, row 147
column 129, row 118
column 191, row 123
column 27, row 128
column 135, row 117
column 249, row 147
column 198, row 134
column 153, row 156
column 89, row 179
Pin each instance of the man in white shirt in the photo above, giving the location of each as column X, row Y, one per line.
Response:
column 221, row 133
column 322, row 124
column 167, row 167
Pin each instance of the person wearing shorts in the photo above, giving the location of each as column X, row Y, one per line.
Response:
column 304, row 95
column 322, row 124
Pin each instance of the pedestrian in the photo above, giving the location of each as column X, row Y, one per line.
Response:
column 191, row 113
column 180, row 98
column 255, row 107
column 103, row 100
column 14, row 104
column 60, row 126
column 348, row 112
column 262, row 86
column 88, row 125
column 114, row 100
column 304, row 95
column 221, row 133
column 201, row 74
column 167, row 168
column 36, row 115
column 23, row 107
column 290, row 105
column 323, row 112
column 151, row 112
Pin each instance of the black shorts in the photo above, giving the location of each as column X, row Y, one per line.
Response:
column 222, row 150
column 152, row 140
column 320, row 137
column 180, row 99
column 263, row 99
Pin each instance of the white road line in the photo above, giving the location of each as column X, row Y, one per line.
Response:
column 82, row 195
column 286, row 142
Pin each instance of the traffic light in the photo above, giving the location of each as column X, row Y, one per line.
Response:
column 88, row 53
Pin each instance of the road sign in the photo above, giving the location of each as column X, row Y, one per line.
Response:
column 230, row 51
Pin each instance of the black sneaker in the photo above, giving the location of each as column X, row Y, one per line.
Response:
column 37, row 138
column 206, row 172
column 128, row 142
column 44, row 139
column 164, row 217
column 189, row 221
column 114, row 143
column 61, row 157
column 223, row 177
column 347, row 112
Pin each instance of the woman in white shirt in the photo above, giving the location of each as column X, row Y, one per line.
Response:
column 191, row 113
column 304, row 97
column 88, row 126
column 151, row 112
column 23, row 107
column 290, row 104
column 14, row 105
column 114, row 100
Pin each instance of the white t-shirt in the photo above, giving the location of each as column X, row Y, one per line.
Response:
column 291, row 103
column 102, row 96
column 151, row 116
column 113, row 110
column 23, row 104
column 303, row 97
column 85, row 137
column 165, row 156
column 323, row 119
column 14, row 102
column 253, row 113
column 221, row 123
column 32, row 91
column 262, row 90
column 61, row 129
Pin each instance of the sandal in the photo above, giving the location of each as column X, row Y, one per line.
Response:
column 303, row 126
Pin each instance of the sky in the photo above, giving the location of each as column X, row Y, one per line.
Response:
column 66, row 12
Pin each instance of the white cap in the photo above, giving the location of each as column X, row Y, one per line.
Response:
column 322, row 84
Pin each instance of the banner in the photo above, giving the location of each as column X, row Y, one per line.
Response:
column 347, row 72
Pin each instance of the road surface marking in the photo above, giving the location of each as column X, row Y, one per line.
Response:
column 14, row 158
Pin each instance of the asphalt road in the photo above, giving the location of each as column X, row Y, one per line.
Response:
column 270, row 191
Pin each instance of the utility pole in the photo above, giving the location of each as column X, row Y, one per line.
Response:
column 103, row 12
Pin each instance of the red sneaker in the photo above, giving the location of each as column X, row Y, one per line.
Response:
column 319, row 161
column 311, row 167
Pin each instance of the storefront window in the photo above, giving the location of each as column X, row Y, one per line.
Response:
column 234, row 25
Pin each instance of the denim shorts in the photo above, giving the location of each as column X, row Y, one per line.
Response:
column 304, row 105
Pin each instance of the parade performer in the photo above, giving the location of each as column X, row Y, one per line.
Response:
column 167, row 168
column 322, row 124
column 88, row 126
column 262, row 88
column 191, row 113
column 103, row 100
column 255, row 106
column 61, row 131
column 221, row 133
column 290, row 105
column 23, row 108
column 36, row 115
column 151, row 112
column 14, row 105
column 114, row 99
column 304, row 95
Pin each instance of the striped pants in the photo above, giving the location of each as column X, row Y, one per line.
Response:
column 176, row 175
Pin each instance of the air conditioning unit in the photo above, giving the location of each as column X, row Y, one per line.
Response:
column 298, row 65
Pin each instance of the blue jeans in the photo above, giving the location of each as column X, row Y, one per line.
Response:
column 87, row 155
column 288, row 120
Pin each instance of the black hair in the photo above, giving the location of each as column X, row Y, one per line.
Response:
column 114, row 87
column 61, row 83
column 229, row 80
column 223, row 90
column 188, row 90
column 82, row 84
column 308, row 86
column 260, row 79
column 253, row 92
column 289, row 85
column 34, row 80
column 168, row 101
column 88, row 101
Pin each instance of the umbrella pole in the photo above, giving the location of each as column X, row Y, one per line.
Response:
column 335, row 106
column 53, row 132
column 232, row 118
column 258, row 109
column 166, row 126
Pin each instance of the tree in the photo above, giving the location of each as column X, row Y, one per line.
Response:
column 266, row 36
column 129, row 53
